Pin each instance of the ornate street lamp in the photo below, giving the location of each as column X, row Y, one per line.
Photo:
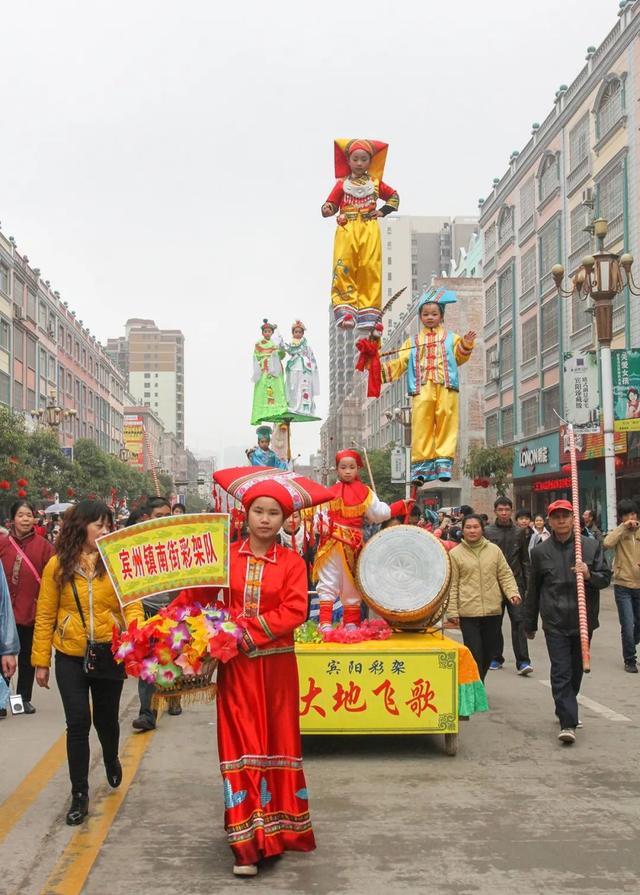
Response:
column 53, row 414
column 601, row 277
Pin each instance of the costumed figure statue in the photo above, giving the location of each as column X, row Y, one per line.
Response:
column 303, row 381
column 356, row 289
column 269, row 396
column 431, row 360
column 262, row 455
column 341, row 540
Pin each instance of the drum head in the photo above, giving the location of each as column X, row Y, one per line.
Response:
column 403, row 573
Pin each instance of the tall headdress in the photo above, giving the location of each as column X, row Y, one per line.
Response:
column 264, row 432
column 376, row 149
column 435, row 296
column 265, row 322
column 298, row 324
column 290, row 490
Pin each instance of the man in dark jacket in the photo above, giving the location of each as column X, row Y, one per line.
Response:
column 553, row 594
column 512, row 540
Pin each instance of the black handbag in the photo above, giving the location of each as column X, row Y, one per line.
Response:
column 98, row 661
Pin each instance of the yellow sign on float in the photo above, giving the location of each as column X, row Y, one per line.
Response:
column 167, row 554
column 377, row 687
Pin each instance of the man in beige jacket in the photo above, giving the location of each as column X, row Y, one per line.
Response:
column 625, row 543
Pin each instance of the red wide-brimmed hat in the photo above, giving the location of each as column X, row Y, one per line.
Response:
column 292, row 491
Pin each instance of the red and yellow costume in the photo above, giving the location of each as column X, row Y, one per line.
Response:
column 341, row 541
column 265, row 793
column 356, row 288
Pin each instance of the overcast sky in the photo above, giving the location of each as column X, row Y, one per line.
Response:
column 169, row 160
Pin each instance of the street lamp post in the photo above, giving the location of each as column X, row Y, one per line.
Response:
column 402, row 415
column 601, row 277
column 53, row 414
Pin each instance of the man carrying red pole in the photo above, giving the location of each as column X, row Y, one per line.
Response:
column 553, row 595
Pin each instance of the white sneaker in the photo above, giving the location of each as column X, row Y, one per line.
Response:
column 579, row 725
column 567, row 735
column 245, row 869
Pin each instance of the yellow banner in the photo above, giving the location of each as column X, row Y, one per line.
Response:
column 167, row 554
column 630, row 425
column 379, row 690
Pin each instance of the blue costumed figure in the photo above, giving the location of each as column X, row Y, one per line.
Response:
column 262, row 455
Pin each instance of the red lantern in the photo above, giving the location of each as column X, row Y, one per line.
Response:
column 22, row 483
column 5, row 485
column 566, row 468
column 22, row 493
column 619, row 464
column 70, row 492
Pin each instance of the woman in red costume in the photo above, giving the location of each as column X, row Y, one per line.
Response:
column 265, row 793
column 341, row 541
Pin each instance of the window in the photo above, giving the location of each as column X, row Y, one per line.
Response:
column 490, row 358
column 18, row 396
column 18, row 344
column 31, row 399
column 5, row 334
column 578, row 221
column 505, row 289
column 69, row 345
column 549, row 177
column 549, row 247
column 84, row 359
column 491, row 429
column 76, row 350
column 31, row 305
column 580, row 318
column 31, row 356
column 490, row 304
column 490, row 242
column 388, row 260
column 507, row 424
column 4, row 280
column 389, row 277
column 529, row 409
column 529, row 339
column 579, row 143
column 505, row 225
column 527, row 201
column 549, row 314
column 610, row 107
column 611, row 195
column 18, row 290
column 43, row 363
column 550, row 404
column 506, row 353
column 42, row 315
column 528, row 270
column 61, row 336
column 147, row 375
column 5, row 389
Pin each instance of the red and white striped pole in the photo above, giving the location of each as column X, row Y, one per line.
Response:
column 577, row 531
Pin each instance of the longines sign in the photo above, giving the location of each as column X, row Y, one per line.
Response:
column 538, row 456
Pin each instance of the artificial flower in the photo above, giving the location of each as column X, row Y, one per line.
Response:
column 168, row 675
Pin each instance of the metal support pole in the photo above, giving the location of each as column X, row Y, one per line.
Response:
column 609, row 441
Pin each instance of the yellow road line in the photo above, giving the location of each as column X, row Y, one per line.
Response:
column 16, row 804
column 74, row 865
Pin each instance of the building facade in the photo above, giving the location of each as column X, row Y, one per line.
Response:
column 585, row 151
column 153, row 360
column 48, row 355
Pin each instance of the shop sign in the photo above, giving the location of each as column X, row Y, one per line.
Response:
column 133, row 437
column 625, row 371
column 590, row 446
column 581, row 391
column 552, row 485
column 539, row 456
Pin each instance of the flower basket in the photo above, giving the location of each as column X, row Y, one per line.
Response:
column 178, row 651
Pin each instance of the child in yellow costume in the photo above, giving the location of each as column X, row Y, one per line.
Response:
column 431, row 360
column 356, row 288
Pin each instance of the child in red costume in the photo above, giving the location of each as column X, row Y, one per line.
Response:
column 342, row 540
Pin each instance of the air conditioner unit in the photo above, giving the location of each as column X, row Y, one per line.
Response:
column 587, row 196
column 18, row 313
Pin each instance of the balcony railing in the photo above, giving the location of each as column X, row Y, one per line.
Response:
column 526, row 229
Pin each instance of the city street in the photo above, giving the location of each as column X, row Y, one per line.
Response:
column 513, row 812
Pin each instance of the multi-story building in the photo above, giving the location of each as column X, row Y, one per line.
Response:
column 206, row 468
column 145, row 427
column 48, row 355
column 153, row 359
column 585, row 149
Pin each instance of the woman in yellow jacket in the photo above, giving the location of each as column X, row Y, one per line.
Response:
column 480, row 575
column 59, row 625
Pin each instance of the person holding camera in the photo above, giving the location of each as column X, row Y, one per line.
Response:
column 77, row 610
column 9, row 643
column 625, row 543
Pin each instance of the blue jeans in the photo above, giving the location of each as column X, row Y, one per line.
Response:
column 628, row 603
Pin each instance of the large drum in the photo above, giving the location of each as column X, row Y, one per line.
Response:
column 403, row 573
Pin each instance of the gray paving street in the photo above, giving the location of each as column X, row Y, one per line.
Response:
column 513, row 812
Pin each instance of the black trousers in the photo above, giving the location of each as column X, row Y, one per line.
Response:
column 75, row 687
column 518, row 636
column 565, row 655
column 480, row 634
column 26, row 671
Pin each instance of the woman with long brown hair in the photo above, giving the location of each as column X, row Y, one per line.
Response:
column 77, row 602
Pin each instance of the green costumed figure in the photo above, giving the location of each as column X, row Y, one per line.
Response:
column 269, row 397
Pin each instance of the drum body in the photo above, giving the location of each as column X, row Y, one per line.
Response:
column 403, row 573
